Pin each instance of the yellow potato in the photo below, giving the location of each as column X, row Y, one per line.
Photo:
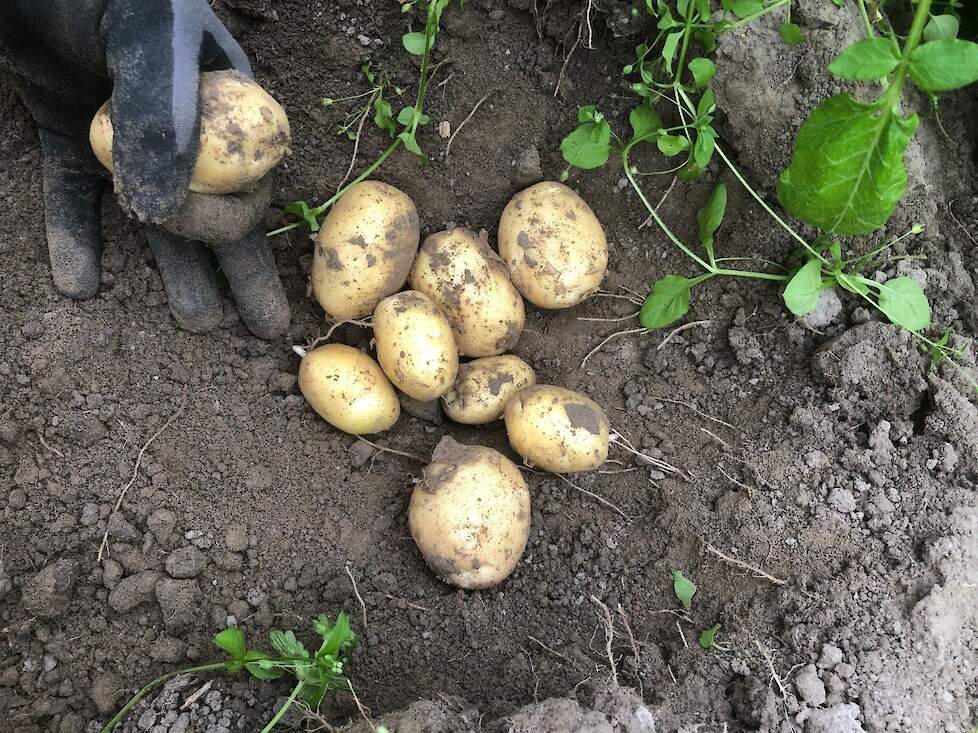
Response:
column 415, row 345
column 244, row 133
column 484, row 386
column 553, row 245
column 348, row 389
column 364, row 249
column 469, row 282
column 470, row 517
column 557, row 429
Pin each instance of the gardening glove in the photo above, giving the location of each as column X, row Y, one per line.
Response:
column 65, row 59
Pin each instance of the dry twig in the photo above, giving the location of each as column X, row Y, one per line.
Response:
column 382, row 449
column 594, row 496
column 609, row 636
column 680, row 329
column 356, row 592
column 469, row 117
column 758, row 573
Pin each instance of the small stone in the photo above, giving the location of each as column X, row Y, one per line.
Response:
column 107, row 689
column 17, row 499
column 842, row 500
column 47, row 594
column 89, row 514
column 180, row 602
column 147, row 720
column 161, row 523
column 831, row 656
column 236, row 538
column 809, row 686
column 281, row 382
column 187, row 562
column 239, row 608
column 133, row 590
column 842, row 718
column 168, row 649
column 527, row 170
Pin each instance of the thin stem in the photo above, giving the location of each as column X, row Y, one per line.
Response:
column 921, row 14
column 865, row 15
column 751, row 274
column 117, row 718
column 282, row 710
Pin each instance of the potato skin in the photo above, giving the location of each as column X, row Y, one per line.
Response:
column 244, row 133
column 470, row 283
column 364, row 249
column 348, row 389
column 415, row 346
column 484, row 386
column 557, row 429
column 553, row 245
column 470, row 517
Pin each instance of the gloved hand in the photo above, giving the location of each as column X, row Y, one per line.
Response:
column 65, row 59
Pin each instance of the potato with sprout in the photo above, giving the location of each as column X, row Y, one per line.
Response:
column 470, row 516
column 484, row 386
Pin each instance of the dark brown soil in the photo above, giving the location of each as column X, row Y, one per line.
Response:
column 840, row 466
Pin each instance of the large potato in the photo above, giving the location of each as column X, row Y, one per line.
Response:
column 553, row 245
column 557, row 429
column 470, row 517
column 484, row 386
column 244, row 133
column 348, row 389
column 415, row 345
column 471, row 285
column 364, row 249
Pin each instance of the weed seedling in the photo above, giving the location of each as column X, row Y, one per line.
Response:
column 315, row 673
column 684, row 588
column 708, row 640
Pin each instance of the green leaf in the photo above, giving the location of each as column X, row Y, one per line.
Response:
column 406, row 115
column 383, row 116
column 946, row 64
column 669, row 49
column 938, row 352
column 707, row 39
column 645, row 122
column 232, row 641
column 802, row 291
column 941, row 27
column 309, row 216
column 588, row 146
column 336, row 636
column 708, row 639
column 791, row 33
column 413, row 43
column 367, row 73
column 744, row 8
column 703, row 8
column 903, row 302
column 846, row 174
column 670, row 145
column 285, row 643
column 867, row 59
column 706, row 105
column 684, row 588
column 667, row 303
column 854, row 283
column 259, row 666
column 589, row 113
column 704, row 146
column 703, row 70
column 411, row 143
column 710, row 217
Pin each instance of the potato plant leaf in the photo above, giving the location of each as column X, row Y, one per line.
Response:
column 684, row 588
column 870, row 58
column 645, row 122
column 588, row 146
column 413, row 43
column 703, row 70
column 667, row 303
column 904, row 303
column 846, row 174
column 801, row 293
column 670, row 145
column 940, row 27
column 710, row 216
column 791, row 34
column 939, row 66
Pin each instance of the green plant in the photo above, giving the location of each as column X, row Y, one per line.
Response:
column 316, row 673
column 708, row 640
column 684, row 588
column 846, row 175
column 403, row 129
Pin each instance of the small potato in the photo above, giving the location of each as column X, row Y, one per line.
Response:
column 557, row 429
column 415, row 345
column 470, row 517
column 553, row 245
column 469, row 282
column 348, row 389
column 364, row 249
column 484, row 386
column 244, row 133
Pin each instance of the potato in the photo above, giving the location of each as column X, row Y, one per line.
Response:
column 471, row 285
column 364, row 249
column 244, row 133
column 415, row 346
column 553, row 245
column 557, row 429
column 470, row 516
column 484, row 386
column 348, row 389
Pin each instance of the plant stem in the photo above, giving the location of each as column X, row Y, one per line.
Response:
column 751, row 274
column 921, row 14
column 765, row 11
column 282, row 710
column 158, row 681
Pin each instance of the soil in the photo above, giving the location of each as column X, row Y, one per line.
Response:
column 824, row 453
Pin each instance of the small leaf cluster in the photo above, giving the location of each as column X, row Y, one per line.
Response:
column 684, row 588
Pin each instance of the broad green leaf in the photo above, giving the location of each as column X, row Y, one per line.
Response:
column 940, row 27
column 684, row 588
column 706, row 105
column 710, row 217
column 645, row 122
column 413, row 43
column 411, row 143
column 667, row 303
column 669, row 49
column 801, row 293
column 703, row 8
column 336, row 636
column 704, row 146
column 406, row 115
column 854, row 283
column 703, row 70
column 670, row 145
column 846, row 174
column 867, row 59
column 904, row 303
column 588, row 146
column 745, row 8
column 708, row 639
column 232, row 641
column 684, row 7
column 791, row 33
column 589, row 113
column 942, row 65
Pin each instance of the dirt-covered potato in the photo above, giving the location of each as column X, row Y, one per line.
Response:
column 415, row 345
column 244, row 133
column 553, row 245
column 469, row 282
column 364, row 249
column 470, row 517
column 557, row 429
column 484, row 386
column 348, row 389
